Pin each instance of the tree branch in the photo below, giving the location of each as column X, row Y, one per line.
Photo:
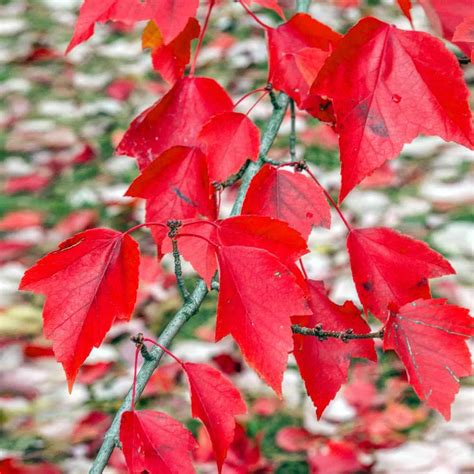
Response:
column 196, row 298
column 178, row 271
column 344, row 336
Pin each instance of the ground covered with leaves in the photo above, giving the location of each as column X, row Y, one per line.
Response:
column 61, row 119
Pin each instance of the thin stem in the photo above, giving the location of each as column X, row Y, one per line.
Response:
column 344, row 336
column 330, row 199
column 293, row 131
column 303, row 269
column 134, row 385
column 260, row 89
column 201, row 37
column 257, row 102
column 200, row 221
column 145, row 224
column 198, row 237
column 164, row 349
column 252, row 14
column 178, row 271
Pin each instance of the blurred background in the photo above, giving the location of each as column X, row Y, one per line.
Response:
column 60, row 120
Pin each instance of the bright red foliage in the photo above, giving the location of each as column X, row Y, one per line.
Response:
column 171, row 122
column 290, row 197
column 429, row 337
column 324, row 365
column 215, row 401
column 176, row 186
column 257, row 296
column 89, row 282
column 229, row 140
column 170, row 59
column 412, row 75
column 391, row 269
column 170, row 23
column 297, row 51
column 155, row 442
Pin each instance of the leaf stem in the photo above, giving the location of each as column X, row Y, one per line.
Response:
column 329, row 198
column 164, row 349
column 198, row 237
column 178, row 271
column 145, row 224
column 201, row 38
column 257, row 102
column 255, row 17
column 248, row 94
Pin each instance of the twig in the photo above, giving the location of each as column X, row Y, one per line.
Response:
column 293, row 131
column 178, row 271
column 233, row 179
column 344, row 336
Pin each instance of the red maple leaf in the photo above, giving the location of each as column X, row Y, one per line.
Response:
column 229, row 139
column 90, row 281
column 171, row 122
column 391, row 269
column 447, row 16
column 430, row 336
column 176, row 186
column 297, row 51
column 257, row 296
column 155, row 442
column 465, row 33
column 407, row 78
column 324, row 365
column 216, row 401
column 170, row 59
column 290, row 197
column 171, row 16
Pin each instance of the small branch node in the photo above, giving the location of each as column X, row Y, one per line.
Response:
column 173, row 226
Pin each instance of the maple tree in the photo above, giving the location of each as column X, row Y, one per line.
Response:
column 379, row 87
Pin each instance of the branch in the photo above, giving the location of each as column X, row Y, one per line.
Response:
column 293, row 131
column 178, row 271
column 196, row 298
column 344, row 336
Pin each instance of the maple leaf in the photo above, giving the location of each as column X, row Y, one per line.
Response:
column 229, row 139
column 391, row 269
column 171, row 122
column 171, row 23
column 216, row 401
column 155, row 442
column 429, row 337
column 266, row 233
column 445, row 17
column 270, row 4
column 324, row 365
column 170, row 59
column 176, row 186
column 465, row 34
column 257, row 296
column 290, row 197
column 335, row 458
column 297, row 51
column 412, row 75
column 90, row 281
